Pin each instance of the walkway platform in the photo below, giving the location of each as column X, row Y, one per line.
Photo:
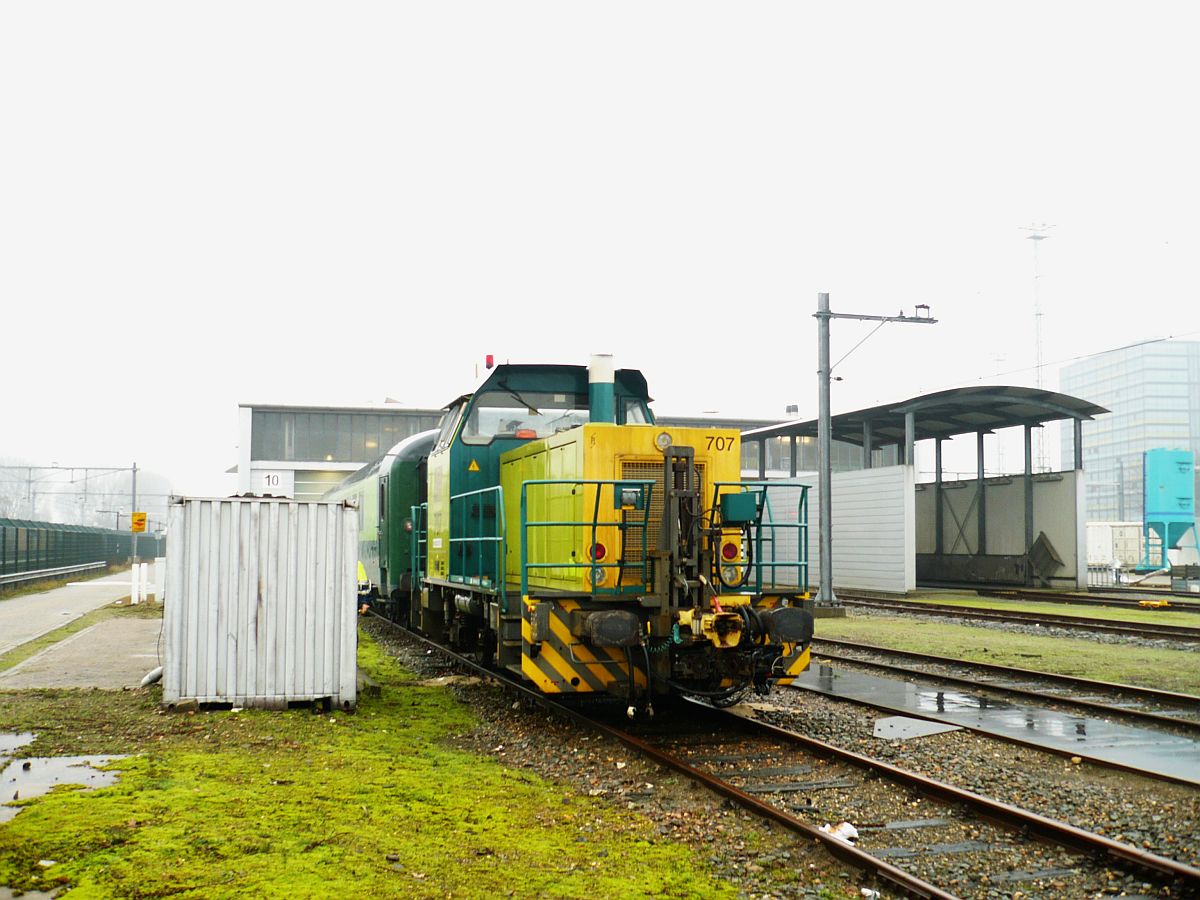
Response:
column 112, row 654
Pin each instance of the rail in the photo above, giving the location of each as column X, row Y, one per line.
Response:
column 637, row 492
column 472, row 571
column 41, row 574
column 1111, row 626
column 768, row 534
column 1126, row 856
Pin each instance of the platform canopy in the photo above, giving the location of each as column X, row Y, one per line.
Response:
column 969, row 410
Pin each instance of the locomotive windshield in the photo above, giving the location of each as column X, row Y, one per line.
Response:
column 525, row 415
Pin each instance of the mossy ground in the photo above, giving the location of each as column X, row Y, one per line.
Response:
column 1172, row 670
column 275, row 804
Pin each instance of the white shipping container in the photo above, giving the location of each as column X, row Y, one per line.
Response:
column 262, row 603
column 1117, row 544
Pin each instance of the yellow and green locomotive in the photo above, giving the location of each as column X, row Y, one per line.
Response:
column 566, row 537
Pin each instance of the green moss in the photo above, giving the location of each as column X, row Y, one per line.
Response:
column 295, row 804
column 1172, row 670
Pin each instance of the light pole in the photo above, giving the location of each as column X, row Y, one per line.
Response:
column 1037, row 234
column 115, row 512
column 825, row 595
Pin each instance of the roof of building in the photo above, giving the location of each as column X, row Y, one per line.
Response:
column 386, row 408
column 943, row 415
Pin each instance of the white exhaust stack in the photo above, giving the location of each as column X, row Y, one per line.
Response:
column 602, row 405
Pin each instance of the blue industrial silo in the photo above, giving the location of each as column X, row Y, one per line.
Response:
column 1170, row 500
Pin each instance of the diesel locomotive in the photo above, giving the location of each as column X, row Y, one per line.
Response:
column 551, row 528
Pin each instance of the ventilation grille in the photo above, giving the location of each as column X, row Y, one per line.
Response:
column 651, row 470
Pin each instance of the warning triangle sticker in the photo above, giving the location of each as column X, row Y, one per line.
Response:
column 473, row 467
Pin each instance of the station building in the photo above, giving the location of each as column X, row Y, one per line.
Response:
column 302, row 451
column 890, row 532
column 1153, row 393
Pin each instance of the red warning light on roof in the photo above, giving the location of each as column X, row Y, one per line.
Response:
column 489, row 361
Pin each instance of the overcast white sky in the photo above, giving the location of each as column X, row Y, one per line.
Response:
column 215, row 203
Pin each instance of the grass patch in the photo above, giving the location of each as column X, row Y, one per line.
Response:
column 37, row 645
column 1087, row 611
column 279, row 804
column 1172, row 670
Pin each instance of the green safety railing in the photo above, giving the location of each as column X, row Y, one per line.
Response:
column 766, row 533
column 645, row 490
column 473, row 505
column 418, row 550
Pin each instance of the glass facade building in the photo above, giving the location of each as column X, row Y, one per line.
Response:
column 1153, row 393
column 302, row 451
column 291, row 435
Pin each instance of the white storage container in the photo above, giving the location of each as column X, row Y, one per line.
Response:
column 261, row 609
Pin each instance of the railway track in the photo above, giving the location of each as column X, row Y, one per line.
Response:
column 916, row 836
column 1183, row 634
column 929, row 829
column 1170, row 709
column 1179, row 601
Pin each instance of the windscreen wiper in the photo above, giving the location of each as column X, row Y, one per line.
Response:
column 533, row 410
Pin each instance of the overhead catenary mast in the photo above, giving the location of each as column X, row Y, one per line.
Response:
column 1037, row 234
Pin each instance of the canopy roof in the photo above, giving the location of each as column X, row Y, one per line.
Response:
column 943, row 415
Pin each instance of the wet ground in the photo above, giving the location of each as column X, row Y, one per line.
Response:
column 1086, row 736
column 23, row 779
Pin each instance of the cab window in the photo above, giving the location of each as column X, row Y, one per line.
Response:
column 636, row 413
column 447, row 427
column 522, row 415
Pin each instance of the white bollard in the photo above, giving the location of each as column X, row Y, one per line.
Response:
column 144, row 581
column 134, row 585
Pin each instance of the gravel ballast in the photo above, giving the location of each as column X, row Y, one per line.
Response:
column 763, row 860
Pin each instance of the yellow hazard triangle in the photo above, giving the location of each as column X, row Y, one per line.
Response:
column 473, row 467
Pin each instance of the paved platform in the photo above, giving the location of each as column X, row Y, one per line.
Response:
column 111, row 655
column 25, row 618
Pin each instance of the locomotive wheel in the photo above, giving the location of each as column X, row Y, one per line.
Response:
column 485, row 648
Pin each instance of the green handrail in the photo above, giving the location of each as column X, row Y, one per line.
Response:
column 647, row 489
column 418, row 550
column 766, row 531
column 499, row 541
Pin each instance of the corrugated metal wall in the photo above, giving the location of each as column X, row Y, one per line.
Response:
column 261, row 602
column 874, row 528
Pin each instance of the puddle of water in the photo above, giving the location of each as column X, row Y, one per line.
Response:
column 7, row 894
column 26, row 778
column 10, row 742
column 1145, row 748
